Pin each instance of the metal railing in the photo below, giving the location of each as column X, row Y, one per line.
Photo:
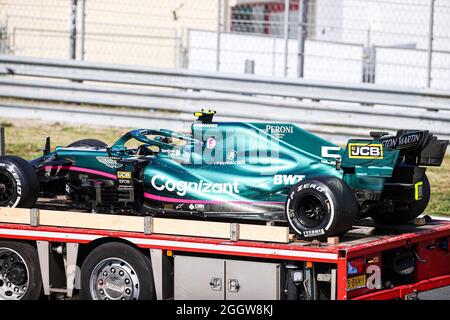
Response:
column 349, row 107
column 399, row 42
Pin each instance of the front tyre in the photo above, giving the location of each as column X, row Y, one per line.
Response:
column 116, row 271
column 321, row 207
column 19, row 184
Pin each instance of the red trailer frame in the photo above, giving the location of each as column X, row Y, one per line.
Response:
column 426, row 240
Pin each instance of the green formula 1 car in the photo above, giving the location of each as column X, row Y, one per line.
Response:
column 236, row 170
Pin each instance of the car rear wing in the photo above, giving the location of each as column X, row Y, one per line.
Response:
column 418, row 147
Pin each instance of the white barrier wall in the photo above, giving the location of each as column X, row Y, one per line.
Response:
column 401, row 67
column 407, row 68
column 325, row 61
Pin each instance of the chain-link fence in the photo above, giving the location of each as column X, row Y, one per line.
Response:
column 145, row 32
column 387, row 42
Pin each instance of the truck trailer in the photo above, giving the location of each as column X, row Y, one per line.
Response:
column 66, row 254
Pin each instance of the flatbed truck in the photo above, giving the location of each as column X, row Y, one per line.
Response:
column 65, row 254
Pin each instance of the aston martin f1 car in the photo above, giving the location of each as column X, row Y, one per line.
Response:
column 238, row 170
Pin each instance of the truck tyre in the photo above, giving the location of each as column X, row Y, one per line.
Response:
column 88, row 143
column 116, row 271
column 19, row 184
column 321, row 207
column 405, row 212
column 20, row 274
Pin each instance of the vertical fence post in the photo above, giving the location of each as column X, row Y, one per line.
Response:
column 73, row 29
column 2, row 141
column 218, row 31
column 274, row 54
column 286, row 36
column 181, row 57
column 301, row 35
column 430, row 43
column 249, row 66
column 82, row 28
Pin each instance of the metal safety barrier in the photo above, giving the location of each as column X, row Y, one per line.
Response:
column 237, row 96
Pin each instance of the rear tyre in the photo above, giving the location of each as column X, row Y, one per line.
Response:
column 92, row 143
column 321, row 207
column 20, row 275
column 116, row 271
column 19, row 184
column 404, row 212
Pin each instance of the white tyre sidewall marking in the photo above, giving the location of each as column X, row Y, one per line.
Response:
column 331, row 211
column 288, row 216
column 18, row 186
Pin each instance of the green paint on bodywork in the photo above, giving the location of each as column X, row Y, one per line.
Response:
column 235, row 162
column 368, row 174
column 250, row 154
column 86, row 158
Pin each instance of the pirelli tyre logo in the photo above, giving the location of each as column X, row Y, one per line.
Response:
column 365, row 151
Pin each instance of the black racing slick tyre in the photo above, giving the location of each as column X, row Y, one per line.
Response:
column 20, row 276
column 19, row 183
column 116, row 271
column 88, row 143
column 405, row 212
column 321, row 207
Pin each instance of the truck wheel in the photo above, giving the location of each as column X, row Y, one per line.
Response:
column 19, row 184
column 116, row 271
column 405, row 212
column 20, row 275
column 321, row 207
column 88, row 143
